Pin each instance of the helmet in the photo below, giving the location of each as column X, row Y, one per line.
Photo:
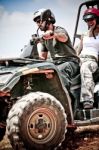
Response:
column 91, row 13
column 44, row 14
column 38, row 14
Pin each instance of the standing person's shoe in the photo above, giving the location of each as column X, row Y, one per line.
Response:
column 88, row 105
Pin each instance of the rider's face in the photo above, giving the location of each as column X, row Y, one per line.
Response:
column 41, row 25
column 91, row 22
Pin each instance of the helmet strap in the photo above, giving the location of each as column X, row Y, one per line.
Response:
column 97, row 21
column 93, row 34
column 45, row 26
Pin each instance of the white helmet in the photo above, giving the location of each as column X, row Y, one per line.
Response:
column 44, row 14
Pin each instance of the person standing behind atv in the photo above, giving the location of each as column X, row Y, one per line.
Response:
column 89, row 51
column 56, row 41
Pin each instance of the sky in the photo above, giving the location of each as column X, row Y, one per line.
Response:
column 17, row 26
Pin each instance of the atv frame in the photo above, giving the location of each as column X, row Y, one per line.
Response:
column 35, row 106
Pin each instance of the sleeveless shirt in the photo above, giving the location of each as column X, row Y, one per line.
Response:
column 90, row 46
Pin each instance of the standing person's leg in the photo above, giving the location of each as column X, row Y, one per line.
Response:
column 87, row 83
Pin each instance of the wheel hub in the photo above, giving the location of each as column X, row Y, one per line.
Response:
column 41, row 125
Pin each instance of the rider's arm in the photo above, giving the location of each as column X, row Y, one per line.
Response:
column 43, row 55
column 42, row 51
column 59, row 34
column 62, row 37
column 79, row 47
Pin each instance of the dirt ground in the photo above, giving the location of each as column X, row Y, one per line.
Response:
column 78, row 141
column 83, row 141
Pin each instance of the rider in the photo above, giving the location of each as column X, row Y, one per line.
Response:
column 89, row 51
column 56, row 41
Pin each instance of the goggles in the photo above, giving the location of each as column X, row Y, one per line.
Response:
column 89, row 19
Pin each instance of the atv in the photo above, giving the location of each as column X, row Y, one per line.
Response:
column 36, row 109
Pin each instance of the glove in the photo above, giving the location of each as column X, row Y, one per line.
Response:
column 35, row 39
column 49, row 34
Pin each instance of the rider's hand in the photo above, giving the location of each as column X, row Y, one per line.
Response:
column 34, row 39
column 48, row 35
column 92, row 26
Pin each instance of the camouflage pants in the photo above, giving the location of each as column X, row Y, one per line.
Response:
column 88, row 67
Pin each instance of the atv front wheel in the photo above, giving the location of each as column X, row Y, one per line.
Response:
column 37, row 120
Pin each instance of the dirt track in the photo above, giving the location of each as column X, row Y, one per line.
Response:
column 83, row 141
column 78, row 141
